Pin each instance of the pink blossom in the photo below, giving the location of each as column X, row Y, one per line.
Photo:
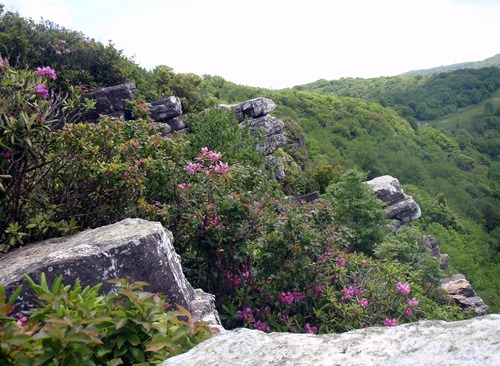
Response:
column 42, row 90
column 297, row 296
column 340, row 262
column 193, row 168
column 363, row 302
column 318, row 290
column 214, row 156
column 309, row 329
column 246, row 314
column 390, row 322
column 45, row 71
column 184, row 186
column 350, row 292
column 22, row 319
column 6, row 154
column 221, row 168
column 68, row 50
column 261, row 326
column 408, row 313
column 413, row 302
column 403, row 288
column 283, row 318
column 1, row 61
column 267, row 310
column 289, row 297
column 58, row 52
column 232, row 279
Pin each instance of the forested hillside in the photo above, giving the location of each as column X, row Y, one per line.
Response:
column 327, row 266
column 451, row 168
column 488, row 62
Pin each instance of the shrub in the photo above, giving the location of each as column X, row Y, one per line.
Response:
column 74, row 325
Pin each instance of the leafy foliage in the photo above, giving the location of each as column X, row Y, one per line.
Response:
column 75, row 325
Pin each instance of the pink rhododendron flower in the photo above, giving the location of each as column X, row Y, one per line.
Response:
column 413, row 302
column 350, row 292
column 363, row 302
column 318, row 290
column 261, row 326
column 340, row 262
column 46, row 71
column 193, row 168
column 184, row 186
column 290, row 297
column 22, row 319
column 267, row 310
column 1, row 61
column 390, row 322
column 246, row 314
column 408, row 313
column 309, row 329
column 221, row 168
column 403, row 288
column 42, row 91
column 214, row 156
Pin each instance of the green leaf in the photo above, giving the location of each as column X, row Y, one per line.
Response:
column 120, row 341
column 15, row 295
column 159, row 342
column 121, row 323
column 134, row 339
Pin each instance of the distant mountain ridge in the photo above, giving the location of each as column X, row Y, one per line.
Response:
column 488, row 62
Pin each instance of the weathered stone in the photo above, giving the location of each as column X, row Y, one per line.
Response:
column 461, row 292
column 275, row 165
column 400, row 206
column 431, row 243
column 270, row 125
column 135, row 248
column 257, row 107
column 469, row 342
column 240, row 116
column 165, row 109
column 110, row 101
column 176, row 124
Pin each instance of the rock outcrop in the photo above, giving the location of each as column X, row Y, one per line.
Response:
column 401, row 207
column 431, row 243
column 110, row 101
column 470, row 342
column 461, row 292
column 135, row 248
column 268, row 130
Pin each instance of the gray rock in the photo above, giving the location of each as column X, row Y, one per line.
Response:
column 176, row 124
column 257, row 107
column 165, row 109
column 274, row 164
column 136, row 248
column 470, row 342
column 269, row 133
column 110, row 101
column 400, row 206
column 240, row 116
column 461, row 293
column 431, row 243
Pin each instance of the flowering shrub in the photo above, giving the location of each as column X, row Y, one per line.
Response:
column 28, row 113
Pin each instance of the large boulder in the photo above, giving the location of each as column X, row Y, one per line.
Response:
column 165, row 109
column 110, row 101
column 469, row 342
column 400, row 206
column 257, row 107
column 135, row 248
column 268, row 131
column 461, row 293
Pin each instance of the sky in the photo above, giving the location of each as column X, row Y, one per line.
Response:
column 281, row 43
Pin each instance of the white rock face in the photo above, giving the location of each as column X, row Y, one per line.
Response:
column 470, row 342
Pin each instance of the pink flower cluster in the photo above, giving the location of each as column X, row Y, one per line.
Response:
column 363, row 302
column 261, row 326
column 412, row 302
column 246, row 315
column 318, row 290
column 390, row 322
column 22, row 319
column 42, row 90
column 403, row 288
column 350, row 292
column 309, row 329
column 193, row 168
column 340, row 262
column 289, row 298
column 205, row 153
column 184, row 186
column 46, row 71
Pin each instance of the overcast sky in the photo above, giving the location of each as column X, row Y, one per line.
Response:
column 282, row 43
